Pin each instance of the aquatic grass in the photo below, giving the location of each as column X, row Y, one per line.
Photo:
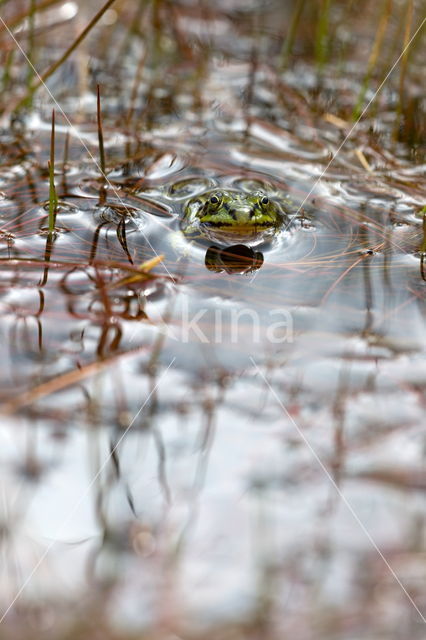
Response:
column 65, row 165
column 53, row 198
column 56, row 65
column 324, row 41
column 404, row 65
column 373, row 60
column 133, row 30
column 135, row 88
column 157, row 30
column 250, row 89
column 6, row 77
column 22, row 15
column 406, row 50
column 66, row 152
column 322, row 35
column 53, row 206
column 288, row 43
column 31, row 42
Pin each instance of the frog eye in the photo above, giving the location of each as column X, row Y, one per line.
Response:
column 215, row 198
column 264, row 200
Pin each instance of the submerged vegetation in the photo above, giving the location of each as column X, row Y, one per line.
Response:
column 216, row 434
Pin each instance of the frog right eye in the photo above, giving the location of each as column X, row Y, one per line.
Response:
column 215, row 198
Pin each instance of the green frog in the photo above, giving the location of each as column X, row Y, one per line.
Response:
column 228, row 216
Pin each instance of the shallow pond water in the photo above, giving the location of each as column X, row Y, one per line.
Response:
column 234, row 444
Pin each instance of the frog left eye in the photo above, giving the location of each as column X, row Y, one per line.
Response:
column 264, row 200
column 214, row 200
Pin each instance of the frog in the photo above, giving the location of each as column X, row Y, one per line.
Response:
column 230, row 217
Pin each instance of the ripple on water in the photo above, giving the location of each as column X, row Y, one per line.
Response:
column 164, row 166
column 46, row 232
column 190, row 186
column 194, row 185
column 63, row 207
column 253, row 184
column 115, row 212
column 96, row 186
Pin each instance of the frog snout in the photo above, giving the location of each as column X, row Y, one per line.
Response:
column 243, row 215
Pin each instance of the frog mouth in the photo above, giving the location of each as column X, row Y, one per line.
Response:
column 238, row 228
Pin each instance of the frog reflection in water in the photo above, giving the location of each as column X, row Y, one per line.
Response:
column 233, row 218
column 235, row 259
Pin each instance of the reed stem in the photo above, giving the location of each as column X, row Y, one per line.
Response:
column 100, row 133
column 53, row 198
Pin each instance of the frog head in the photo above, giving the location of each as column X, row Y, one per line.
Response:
column 226, row 215
column 233, row 209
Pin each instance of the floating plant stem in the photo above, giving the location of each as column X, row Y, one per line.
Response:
column 289, row 40
column 374, row 55
column 53, row 198
column 55, row 66
column 100, row 134
column 144, row 268
column 121, row 235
